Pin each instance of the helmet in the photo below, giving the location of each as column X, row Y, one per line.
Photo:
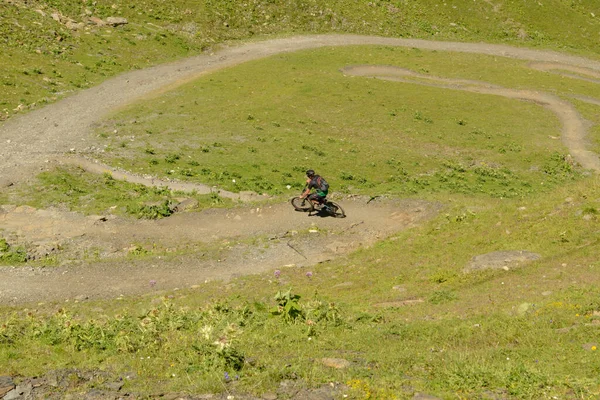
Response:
column 310, row 173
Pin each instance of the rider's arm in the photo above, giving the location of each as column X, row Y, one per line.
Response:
column 306, row 190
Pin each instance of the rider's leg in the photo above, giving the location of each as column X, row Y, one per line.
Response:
column 314, row 198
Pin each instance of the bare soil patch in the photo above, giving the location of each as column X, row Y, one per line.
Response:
column 286, row 239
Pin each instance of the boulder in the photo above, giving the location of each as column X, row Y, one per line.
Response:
column 96, row 21
column 6, row 385
column 187, row 204
column 116, row 21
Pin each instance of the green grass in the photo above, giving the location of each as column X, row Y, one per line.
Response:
column 11, row 254
column 88, row 193
column 363, row 135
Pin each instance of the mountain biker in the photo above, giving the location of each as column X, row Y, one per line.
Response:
column 317, row 182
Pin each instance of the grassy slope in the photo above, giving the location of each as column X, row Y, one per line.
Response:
column 44, row 60
column 524, row 333
column 299, row 107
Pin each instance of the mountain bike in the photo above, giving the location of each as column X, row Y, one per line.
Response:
column 328, row 207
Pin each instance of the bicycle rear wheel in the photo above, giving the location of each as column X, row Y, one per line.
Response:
column 335, row 210
column 303, row 205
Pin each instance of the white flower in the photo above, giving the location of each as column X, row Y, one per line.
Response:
column 206, row 331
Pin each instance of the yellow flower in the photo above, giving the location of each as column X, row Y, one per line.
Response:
column 593, row 348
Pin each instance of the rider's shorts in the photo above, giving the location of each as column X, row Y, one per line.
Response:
column 318, row 195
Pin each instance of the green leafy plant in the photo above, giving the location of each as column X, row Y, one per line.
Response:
column 288, row 307
column 442, row 296
column 152, row 211
column 11, row 254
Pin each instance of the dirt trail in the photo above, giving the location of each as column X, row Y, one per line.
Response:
column 30, row 141
column 287, row 238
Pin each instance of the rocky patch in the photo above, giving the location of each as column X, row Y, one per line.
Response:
column 501, row 260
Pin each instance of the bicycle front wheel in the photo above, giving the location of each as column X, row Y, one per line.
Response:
column 303, row 205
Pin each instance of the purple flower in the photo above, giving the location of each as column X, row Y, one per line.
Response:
column 152, row 283
column 227, row 378
column 277, row 273
column 309, row 274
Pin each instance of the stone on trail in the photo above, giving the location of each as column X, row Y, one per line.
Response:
column 6, row 385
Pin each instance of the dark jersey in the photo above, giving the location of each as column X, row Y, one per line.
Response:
column 319, row 184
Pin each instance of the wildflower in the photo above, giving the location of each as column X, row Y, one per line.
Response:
column 277, row 273
column 593, row 348
column 152, row 283
column 227, row 378
column 309, row 274
column 221, row 343
column 206, row 331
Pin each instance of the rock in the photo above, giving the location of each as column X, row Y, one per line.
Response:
column 187, row 204
column 6, row 385
column 96, row 21
column 20, row 392
column 338, row 363
column 501, row 260
column 74, row 26
column 269, row 396
column 523, row 308
column 116, row 21
column 114, row 386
